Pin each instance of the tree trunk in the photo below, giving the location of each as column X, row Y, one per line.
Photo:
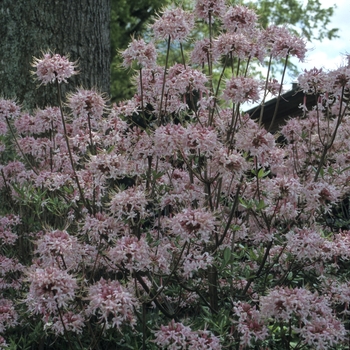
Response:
column 77, row 28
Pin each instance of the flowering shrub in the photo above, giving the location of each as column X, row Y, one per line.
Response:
column 173, row 220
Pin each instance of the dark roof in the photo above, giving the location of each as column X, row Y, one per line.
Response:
column 289, row 106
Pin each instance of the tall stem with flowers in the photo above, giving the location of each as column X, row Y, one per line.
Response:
column 173, row 220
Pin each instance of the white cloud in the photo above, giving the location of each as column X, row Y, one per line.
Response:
column 329, row 54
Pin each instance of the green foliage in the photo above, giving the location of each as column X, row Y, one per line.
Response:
column 128, row 18
column 310, row 20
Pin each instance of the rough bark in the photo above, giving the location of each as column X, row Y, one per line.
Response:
column 77, row 28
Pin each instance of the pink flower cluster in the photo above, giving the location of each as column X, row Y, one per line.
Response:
column 175, row 24
column 178, row 203
column 250, row 324
column 241, row 90
column 59, row 248
column 86, row 103
column 210, row 8
column 131, row 253
column 144, row 54
column 194, row 225
column 50, row 289
column 8, row 315
column 8, row 109
column 239, row 18
column 129, row 204
column 53, row 67
column 177, row 336
column 112, row 303
column 282, row 43
column 72, row 323
column 7, row 225
column 309, row 314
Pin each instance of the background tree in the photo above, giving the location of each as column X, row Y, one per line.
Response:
column 310, row 19
column 128, row 18
column 78, row 28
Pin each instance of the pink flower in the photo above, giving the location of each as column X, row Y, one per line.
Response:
column 52, row 67
column 236, row 43
column 174, row 23
column 86, row 103
column 144, row 54
column 229, row 161
column 3, row 128
column 112, row 303
column 273, row 86
column 199, row 139
column 307, row 245
column 165, row 141
column 10, row 273
column 8, row 109
column 309, row 315
column 126, row 108
column 129, row 204
column 250, row 325
column 341, row 79
column 239, row 18
column 182, row 80
column 8, row 315
column 173, row 336
column 3, row 344
column 314, row 81
column 256, row 139
column 241, row 89
column 212, row 8
column 283, row 43
column 7, row 229
column 194, row 225
column 13, row 171
column 50, row 288
column 58, row 248
column 181, row 192
column 178, row 336
column 26, row 124
column 195, row 261
column 132, row 253
column 201, row 53
column 99, row 225
column 72, row 323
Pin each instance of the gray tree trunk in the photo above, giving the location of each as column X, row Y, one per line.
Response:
column 77, row 28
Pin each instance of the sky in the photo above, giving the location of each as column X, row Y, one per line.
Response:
column 328, row 53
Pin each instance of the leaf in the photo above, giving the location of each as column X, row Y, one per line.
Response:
column 262, row 173
column 261, row 205
column 227, row 255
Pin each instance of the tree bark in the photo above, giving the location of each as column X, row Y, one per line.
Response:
column 77, row 28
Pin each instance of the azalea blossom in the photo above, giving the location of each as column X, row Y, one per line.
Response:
column 241, row 90
column 212, row 8
column 51, row 67
column 175, row 24
column 86, row 103
column 176, row 336
column 50, row 288
column 144, row 54
column 112, row 303
column 239, row 18
column 314, row 319
column 8, row 315
column 8, row 109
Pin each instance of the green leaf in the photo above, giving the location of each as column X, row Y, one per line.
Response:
column 262, row 173
column 261, row 205
column 227, row 255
